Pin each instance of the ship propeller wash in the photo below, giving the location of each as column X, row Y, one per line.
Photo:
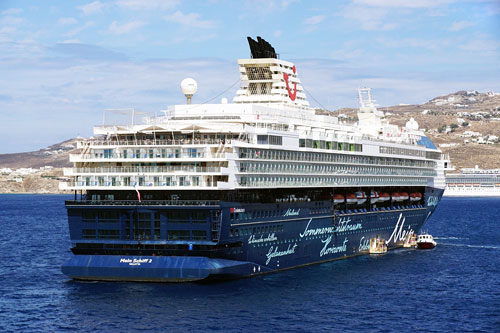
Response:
column 262, row 184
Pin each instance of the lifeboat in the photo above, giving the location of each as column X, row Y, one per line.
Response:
column 338, row 199
column 361, row 196
column 403, row 196
column 351, row 198
column 374, row 197
column 416, row 196
column 396, row 196
column 384, row 197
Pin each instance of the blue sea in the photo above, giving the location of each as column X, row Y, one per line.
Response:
column 452, row 288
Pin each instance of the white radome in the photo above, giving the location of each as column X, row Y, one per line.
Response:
column 189, row 86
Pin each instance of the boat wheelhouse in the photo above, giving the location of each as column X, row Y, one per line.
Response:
column 238, row 189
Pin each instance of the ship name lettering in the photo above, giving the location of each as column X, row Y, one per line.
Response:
column 292, row 212
column 135, row 262
column 274, row 252
column 270, row 238
column 398, row 234
column 334, row 249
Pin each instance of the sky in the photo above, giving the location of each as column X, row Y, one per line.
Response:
column 62, row 62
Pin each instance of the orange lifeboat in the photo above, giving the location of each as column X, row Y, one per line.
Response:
column 416, row 196
column 384, row 197
column 403, row 196
column 338, row 199
column 351, row 198
column 396, row 196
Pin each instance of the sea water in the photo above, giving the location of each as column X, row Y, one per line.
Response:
column 454, row 287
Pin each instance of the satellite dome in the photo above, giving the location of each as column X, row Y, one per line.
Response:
column 189, row 86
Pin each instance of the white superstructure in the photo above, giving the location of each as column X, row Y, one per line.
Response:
column 473, row 182
column 268, row 137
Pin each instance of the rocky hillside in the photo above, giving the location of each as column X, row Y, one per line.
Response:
column 35, row 172
column 56, row 156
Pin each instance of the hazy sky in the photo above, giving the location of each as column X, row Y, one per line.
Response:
column 63, row 62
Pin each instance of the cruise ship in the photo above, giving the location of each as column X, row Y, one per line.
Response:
column 259, row 185
column 473, row 182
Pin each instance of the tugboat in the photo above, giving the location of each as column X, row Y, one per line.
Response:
column 426, row 241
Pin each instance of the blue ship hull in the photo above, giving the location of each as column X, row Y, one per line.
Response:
column 307, row 233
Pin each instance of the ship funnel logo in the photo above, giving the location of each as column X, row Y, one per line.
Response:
column 294, row 94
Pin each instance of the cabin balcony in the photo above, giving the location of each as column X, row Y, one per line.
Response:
column 134, row 170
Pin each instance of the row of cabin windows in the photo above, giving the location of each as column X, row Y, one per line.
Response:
column 269, row 140
column 113, row 216
column 329, row 145
column 302, row 156
column 311, row 168
column 151, row 153
column 173, row 235
column 401, row 151
column 145, row 225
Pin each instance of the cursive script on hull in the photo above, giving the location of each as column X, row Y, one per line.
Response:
column 292, row 212
column 332, row 249
column 275, row 252
column 398, row 234
column 344, row 225
column 270, row 238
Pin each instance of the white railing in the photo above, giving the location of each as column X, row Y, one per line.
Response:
column 145, row 169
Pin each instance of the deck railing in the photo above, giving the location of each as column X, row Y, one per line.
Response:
column 142, row 203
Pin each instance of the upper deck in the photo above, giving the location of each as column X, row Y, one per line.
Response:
column 269, row 137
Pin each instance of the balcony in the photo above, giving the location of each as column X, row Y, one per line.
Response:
column 142, row 170
column 166, row 143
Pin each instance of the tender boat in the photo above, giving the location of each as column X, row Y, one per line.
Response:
column 374, row 197
column 426, row 241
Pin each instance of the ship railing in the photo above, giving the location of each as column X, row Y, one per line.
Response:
column 408, row 173
column 163, row 142
column 143, row 202
column 143, row 155
column 329, row 182
column 132, row 184
column 145, row 169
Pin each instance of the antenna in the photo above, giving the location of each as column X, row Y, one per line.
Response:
column 189, row 87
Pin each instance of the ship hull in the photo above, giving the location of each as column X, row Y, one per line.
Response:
column 303, row 236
